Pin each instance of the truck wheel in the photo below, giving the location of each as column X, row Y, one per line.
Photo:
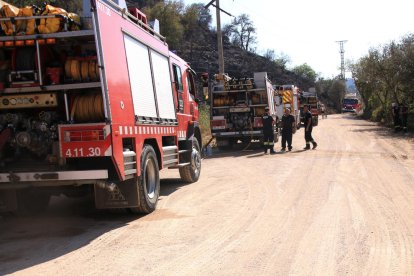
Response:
column 192, row 172
column 148, row 183
column 31, row 202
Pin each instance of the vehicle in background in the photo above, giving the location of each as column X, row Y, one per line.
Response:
column 237, row 107
column 351, row 103
column 287, row 96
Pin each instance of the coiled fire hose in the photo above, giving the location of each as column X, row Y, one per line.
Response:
column 87, row 108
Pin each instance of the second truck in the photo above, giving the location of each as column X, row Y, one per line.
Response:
column 237, row 107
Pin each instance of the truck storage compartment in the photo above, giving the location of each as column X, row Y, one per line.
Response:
column 46, row 80
column 150, row 82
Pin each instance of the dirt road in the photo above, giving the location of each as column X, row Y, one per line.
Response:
column 345, row 208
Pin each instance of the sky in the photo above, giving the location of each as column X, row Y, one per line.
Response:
column 307, row 30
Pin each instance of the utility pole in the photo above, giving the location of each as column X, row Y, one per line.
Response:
column 342, row 52
column 219, row 39
column 219, row 34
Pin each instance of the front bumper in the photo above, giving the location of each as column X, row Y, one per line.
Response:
column 254, row 133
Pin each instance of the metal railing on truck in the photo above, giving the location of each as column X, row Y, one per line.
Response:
column 135, row 19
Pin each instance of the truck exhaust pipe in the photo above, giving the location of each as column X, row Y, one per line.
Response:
column 109, row 186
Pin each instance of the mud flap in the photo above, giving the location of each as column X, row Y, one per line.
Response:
column 8, row 201
column 123, row 195
column 186, row 145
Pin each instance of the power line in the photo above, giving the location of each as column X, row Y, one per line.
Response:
column 342, row 52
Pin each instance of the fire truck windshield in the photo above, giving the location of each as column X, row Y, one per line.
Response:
column 350, row 101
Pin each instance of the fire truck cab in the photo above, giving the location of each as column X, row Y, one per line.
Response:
column 95, row 109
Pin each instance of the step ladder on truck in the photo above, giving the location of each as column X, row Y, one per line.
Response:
column 100, row 109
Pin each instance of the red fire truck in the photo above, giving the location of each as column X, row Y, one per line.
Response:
column 351, row 103
column 100, row 110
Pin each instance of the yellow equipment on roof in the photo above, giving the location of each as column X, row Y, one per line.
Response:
column 8, row 11
column 26, row 26
column 51, row 25
column 75, row 21
column 22, row 26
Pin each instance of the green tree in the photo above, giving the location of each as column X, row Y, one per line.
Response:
column 384, row 76
column 336, row 92
column 195, row 20
column 242, row 32
column 306, row 72
column 169, row 13
column 282, row 60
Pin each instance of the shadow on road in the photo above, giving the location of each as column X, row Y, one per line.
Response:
column 364, row 126
column 66, row 226
column 299, row 151
column 171, row 185
column 238, row 150
column 383, row 132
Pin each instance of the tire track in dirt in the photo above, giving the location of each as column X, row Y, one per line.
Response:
column 345, row 208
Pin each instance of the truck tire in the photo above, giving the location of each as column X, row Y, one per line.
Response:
column 31, row 202
column 192, row 172
column 148, row 183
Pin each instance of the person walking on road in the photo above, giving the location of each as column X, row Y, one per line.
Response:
column 323, row 111
column 308, row 128
column 268, row 134
column 288, row 125
column 404, row 117
column 396, row 116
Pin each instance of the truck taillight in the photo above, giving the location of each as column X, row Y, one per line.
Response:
column 258, row 122
column 84, row 135
column 218, row 124
column 50, row 41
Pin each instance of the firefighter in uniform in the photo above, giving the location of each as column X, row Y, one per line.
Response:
column 268, row 134
column 396, row 116
column 404, row 117
column 288, row 126
column 308, row 128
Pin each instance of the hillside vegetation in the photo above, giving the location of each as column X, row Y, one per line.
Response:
column 385, row 76
column 190, row 34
